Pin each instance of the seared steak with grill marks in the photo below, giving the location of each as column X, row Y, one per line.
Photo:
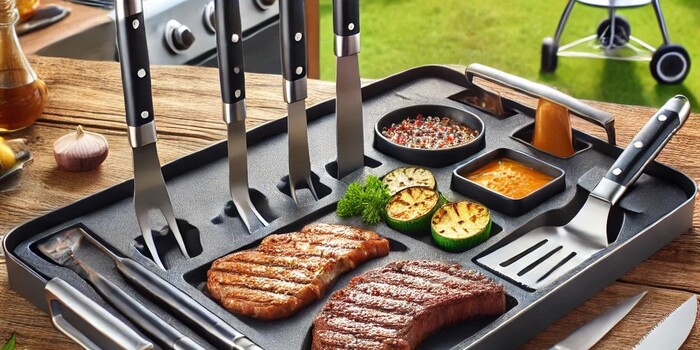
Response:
column 399, row 305
column 289, row 271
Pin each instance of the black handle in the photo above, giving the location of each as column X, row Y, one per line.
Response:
column 136, row 78
column 219, row 333
column 346, row 17
column 293, row 37
column 146, row 320
column 229, row 44
column 647, row 144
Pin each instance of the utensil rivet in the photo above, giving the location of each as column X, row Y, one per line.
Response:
column 299, row 70
column 237, row 93
column 617, row 171
column 298, row 36
column 235, row 38
column 351, row 26
column 144, row 114
column 662, row 118
column 141, row 73
column 135, row 23
column 236, row 70
column 638, row 144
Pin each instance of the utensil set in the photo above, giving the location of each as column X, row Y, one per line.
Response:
column 150, row 191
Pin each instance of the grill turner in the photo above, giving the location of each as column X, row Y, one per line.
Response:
column 149, row 186
column 348, row 101
column 229, row 40
column 548, row 252
column 293, row 38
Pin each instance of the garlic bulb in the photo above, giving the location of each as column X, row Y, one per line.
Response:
column 80, row 150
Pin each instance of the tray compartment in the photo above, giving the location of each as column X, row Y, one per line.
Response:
column 500, row 202
column 485, row 101
column 524, row 135
column 436, row 158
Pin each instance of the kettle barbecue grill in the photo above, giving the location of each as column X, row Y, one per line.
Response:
column 669, row 64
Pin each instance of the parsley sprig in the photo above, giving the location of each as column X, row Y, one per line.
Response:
column 367, row 200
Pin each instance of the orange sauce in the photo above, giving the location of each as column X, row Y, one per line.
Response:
column 509, row 178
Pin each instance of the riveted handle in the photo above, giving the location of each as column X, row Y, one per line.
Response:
column 229, row 44
column 649, row 141
column 135, row 67
column 293, row 37
column 346, row 17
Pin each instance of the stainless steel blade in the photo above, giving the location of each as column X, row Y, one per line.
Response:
column 238, row 176
column 589, row 334
column 672, row 332
column 299, row 161
column 545, row 253
column 348, row 107
column 150, row 193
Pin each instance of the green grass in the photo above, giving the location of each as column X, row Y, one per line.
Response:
column 507, row 34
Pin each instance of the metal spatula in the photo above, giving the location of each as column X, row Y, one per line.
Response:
column 545, row 253
column 229, row 42
column 149, row 186
column 293, row 37
column 348, row 100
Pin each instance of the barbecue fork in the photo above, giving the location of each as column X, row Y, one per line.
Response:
column 149, row 186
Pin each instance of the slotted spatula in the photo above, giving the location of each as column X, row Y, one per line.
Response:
column 545, row 253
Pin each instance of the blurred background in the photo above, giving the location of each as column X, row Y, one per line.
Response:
column 507, row 34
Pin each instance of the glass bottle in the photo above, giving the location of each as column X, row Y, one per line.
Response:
column 22, row 94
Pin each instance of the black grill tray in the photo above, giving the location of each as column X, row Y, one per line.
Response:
column 656, row 211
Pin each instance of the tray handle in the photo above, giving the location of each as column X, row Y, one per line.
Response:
column 106, row 331
column 588, row 113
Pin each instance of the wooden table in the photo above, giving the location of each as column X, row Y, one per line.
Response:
column 89, row 94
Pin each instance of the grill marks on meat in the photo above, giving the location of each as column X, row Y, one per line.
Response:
column 288, row 271
column 399, row 305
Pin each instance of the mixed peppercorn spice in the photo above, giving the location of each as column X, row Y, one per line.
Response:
column 429, row 133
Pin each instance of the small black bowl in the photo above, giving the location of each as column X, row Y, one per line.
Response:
column 497, row 201
column 433, row 158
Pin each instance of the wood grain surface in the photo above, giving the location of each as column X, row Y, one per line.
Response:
column 188, row 114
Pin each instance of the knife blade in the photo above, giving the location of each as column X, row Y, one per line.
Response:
column 348, row 101
column 672, row 332
column 229, row 42
column 590, row 333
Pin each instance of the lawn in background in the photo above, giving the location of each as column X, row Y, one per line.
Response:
column 507, row 34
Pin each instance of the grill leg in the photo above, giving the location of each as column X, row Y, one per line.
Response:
column 562, row 22
column 662, row 22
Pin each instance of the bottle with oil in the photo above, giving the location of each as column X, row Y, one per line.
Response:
column 22, row 94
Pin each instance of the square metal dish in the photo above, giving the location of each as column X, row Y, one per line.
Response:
column 656, row 211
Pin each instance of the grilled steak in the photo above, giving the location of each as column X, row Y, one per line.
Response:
column 397, row 306
column 289, row 271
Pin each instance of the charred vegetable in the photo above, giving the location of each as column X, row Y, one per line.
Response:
column 459, row 226
column 409, row 210
column 401, row 178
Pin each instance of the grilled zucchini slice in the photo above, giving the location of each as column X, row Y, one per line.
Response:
column 459, row 226
column 409, row 210
column 400, row 178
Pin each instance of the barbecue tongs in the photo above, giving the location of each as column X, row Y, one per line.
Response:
column 149, row 187
column 229, row 43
